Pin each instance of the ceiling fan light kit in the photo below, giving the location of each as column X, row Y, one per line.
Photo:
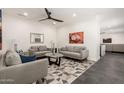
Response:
column 54, row 23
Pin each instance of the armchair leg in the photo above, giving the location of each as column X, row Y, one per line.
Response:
column 40, row 81
column 43, row 79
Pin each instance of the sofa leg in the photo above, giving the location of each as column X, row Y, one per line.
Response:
column 38, row 82
column 84, row 60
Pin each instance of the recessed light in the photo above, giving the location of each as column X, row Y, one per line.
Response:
column 25, row 14
column 54, row 23
column 74, row 14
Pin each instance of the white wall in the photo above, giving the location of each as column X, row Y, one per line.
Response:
column 117, row 38
column 91, row 31
column 18, row 30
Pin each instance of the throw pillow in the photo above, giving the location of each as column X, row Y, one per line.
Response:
column 34, row 48
column 42, row 48
column 12, row 58
column 26, row 59
column 70, row 48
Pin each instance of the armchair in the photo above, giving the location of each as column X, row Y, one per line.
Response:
column 23, row 73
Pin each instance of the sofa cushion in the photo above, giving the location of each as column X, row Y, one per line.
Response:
column 41, row 53
column 64, row 49
column 72, row 54
column 34, row 48
column 73, row 48
column 70, row 48
column 78, row 49
column 42, row 48
column 12, row 58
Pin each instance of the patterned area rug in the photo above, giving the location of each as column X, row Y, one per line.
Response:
column 68, row 71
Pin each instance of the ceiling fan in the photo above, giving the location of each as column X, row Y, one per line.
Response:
column 49, row 17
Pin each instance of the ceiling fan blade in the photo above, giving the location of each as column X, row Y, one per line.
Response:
column 49, row 17
column 43, row 19
column 48, row 13
column 57, row 20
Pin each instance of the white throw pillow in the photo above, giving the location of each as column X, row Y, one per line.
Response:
column 12, row 58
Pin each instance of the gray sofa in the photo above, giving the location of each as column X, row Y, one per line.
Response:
column 115, row 47
column 76, row 52
column 23, row 73
column 39, row 51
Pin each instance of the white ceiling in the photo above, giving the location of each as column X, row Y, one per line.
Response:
column 111, row 19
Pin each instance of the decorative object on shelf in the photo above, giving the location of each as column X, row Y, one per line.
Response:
column 0, row 29
column 36, row 38
column 76, row 38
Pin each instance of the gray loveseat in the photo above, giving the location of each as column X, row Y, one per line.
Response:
column 39, row 51
column 76, row 52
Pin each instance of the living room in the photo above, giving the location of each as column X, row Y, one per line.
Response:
column 51, row 33
column 18, row 28
column 22, row 31
column 64, row 42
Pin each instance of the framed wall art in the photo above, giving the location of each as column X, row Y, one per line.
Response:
column 107, row 40
column 36, row 38
column 76, row 38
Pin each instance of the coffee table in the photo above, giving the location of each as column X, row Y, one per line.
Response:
column 56, row 56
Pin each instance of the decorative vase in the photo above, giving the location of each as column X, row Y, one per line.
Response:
column 53, row 51
column 53, row 47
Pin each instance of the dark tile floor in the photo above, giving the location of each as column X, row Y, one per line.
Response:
column 108, row 70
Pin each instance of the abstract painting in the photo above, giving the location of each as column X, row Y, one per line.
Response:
column 0, row 29
column 76, row 38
